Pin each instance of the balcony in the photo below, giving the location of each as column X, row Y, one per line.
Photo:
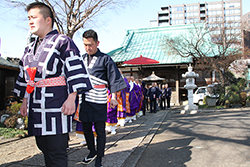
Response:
column 202, row 8
column 202, row 15
column 163, row 18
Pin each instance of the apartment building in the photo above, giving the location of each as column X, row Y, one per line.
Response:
column 246, row 21
column 209, row 12
column 221, row 17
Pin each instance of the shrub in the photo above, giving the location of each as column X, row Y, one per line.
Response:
column 232, row 94
column 15, row 108
column 243, row 98
column 227, row 104
column 11, row 121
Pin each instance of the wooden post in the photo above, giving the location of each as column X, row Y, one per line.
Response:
column 177, row 86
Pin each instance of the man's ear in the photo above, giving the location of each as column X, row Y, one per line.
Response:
column 48, row 21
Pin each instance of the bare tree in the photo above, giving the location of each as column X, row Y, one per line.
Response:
column 71, row 15
column 212, row 46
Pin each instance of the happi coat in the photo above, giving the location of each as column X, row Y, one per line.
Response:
column 103, row 71
column 57, row 55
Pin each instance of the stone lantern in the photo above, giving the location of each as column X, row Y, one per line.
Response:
column 190, row 86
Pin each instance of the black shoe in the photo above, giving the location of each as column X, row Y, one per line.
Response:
column 88, row 159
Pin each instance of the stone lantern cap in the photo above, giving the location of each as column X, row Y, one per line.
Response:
column 190, row 73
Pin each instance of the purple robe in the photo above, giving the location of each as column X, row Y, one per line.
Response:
column 133, row 100
column 111, row 112
column 123, row 114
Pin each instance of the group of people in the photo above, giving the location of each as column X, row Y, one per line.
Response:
column 133, row 102
column 158, row 96
column 56, row 82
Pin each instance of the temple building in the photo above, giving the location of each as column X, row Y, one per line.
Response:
column 149, row 42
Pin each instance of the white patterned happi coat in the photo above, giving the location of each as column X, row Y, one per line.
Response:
column 56, row 56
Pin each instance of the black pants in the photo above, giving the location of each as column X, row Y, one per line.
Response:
column 89, row 136
column 144, row 102
column 163, row 103
column 54, row 149
column 168, row 101
column 152, row 103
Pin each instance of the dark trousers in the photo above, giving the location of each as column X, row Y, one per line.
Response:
column 89, row 136
column 144, row 102
column 168, row 101
column 163, row 103
column 54, row 149
column 152, row 103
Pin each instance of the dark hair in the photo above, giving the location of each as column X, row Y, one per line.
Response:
column 90, row 34
column 45, row 10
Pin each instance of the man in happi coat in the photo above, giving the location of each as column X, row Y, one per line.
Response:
column 51, row 74
column 121, row 99
column 103, row 72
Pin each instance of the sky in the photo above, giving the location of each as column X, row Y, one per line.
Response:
column 111, row 26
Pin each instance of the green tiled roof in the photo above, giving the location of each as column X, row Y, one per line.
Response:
column 148, row 42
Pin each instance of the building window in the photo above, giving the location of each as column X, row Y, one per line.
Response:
column 214, row 12
column 192, row 14
column 177, row 15
column 214, row 6
column 211, row 19
column 191, row 21
column 163, row 24
column 232, row 18
column 233, row 31
column 188, row 8
column 232, row 5
column 232, row 11
column 233, row 24
column 179, row 21
column 249, row 16
column 177, row 9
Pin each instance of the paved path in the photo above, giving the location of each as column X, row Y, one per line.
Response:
column 214, row 139
column 209, row 138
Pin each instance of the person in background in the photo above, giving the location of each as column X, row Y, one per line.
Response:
column 163, row 98
column 145, row 98
column 51, row 74
column 133, row 100
column 122, row 103
column 159, row 97
column 168, row 95
column 111, row 116
column 104, row 76
column 153, row 94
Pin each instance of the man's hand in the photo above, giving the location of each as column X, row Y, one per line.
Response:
column 69, row 106
column 113, row 103
column 24, row 108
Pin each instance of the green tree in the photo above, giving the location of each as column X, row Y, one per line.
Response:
column 212, row 48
